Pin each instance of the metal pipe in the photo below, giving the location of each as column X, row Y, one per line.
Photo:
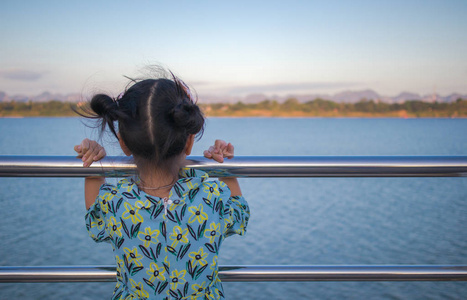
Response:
column 251, row 273
column 58, row 274
column 344, row 273
column 249, row 166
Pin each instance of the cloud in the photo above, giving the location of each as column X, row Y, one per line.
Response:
column 21, row 75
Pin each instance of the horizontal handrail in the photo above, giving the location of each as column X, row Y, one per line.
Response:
column 250, row 273
column 249, row 166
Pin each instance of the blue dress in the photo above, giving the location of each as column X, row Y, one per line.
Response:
column 167, row 248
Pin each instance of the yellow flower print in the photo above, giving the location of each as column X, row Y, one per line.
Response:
column 211, row 189
column 228, row 222
column 197, row 214
column 149, row 236
column 155, row 272
column 132, row 213
column 99, row 223
column 143, row 204
column 242, row 227
column 192, row 184
column 176, row 278
column 179, row 235
column 105, row 202
column 119, row 261
column 214, row 263
column 198, row 257
column 133, row 256
column 125, row 184
column 183, row 171
column 114, row 227
column 213, row 231
column 199, row 288
column 130, row 297
column 214, row 275
column 210, row 295
column 120, row 265
column 216, row 293
column 167, row 262
column 138, row 289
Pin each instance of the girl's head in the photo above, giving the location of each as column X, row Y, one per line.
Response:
column 156, row 118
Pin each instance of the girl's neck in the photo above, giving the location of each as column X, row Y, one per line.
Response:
column 158, row 184
column 158, row 181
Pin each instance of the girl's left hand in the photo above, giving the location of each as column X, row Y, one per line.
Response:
column 89, row 151
column 219, row 151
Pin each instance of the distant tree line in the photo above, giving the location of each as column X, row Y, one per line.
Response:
column 291, row 107
column 322, row 107
column 51, row 108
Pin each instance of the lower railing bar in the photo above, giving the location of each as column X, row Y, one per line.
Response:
column 251, row 273
column 249, row 166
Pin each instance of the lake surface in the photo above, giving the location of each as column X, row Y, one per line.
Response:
column 295, row 221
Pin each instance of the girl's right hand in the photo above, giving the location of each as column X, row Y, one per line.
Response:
column 89, row 151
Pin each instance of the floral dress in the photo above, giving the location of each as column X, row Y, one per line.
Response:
column 167, row 248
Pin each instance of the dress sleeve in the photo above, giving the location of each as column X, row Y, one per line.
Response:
column 95, row 216
column 236, row 213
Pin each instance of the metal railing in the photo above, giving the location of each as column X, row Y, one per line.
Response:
column 250, row 273
column 249, row 166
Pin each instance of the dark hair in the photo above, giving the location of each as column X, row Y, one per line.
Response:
column 155, row 118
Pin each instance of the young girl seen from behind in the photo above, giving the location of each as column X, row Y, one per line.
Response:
column 167, row 224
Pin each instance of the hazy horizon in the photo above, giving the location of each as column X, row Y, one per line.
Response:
column 342, row 96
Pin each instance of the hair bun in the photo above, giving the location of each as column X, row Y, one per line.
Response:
column 105, row 107
column 187, row 115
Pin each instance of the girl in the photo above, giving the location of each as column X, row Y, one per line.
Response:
column 166, row 225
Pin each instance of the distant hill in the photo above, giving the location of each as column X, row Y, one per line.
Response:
column 43, row 97
column 344, row 96
column 341, row 97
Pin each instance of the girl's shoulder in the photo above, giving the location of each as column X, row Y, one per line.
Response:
column 190, row 172
column 193, row 179
column 193, row 174
column 126, row 190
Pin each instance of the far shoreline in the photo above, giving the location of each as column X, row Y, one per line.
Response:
column 292, row 108
column 276, row 117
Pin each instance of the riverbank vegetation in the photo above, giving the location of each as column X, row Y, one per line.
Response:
column 326, row 108
column 270, row 108
column 37, row 109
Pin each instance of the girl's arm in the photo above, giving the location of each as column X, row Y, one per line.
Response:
column 91, row 189
column 89, row 152
column 218, row 152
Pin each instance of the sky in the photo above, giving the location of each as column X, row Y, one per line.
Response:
column 236, row 48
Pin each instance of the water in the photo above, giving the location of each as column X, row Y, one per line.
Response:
column 295, row 221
